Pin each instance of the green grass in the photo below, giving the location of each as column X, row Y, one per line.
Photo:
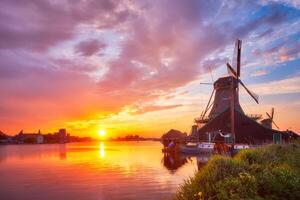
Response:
column 271, row 172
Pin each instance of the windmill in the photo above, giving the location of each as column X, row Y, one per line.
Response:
column 223, row 92
column 270, row 119
column 235, row 73
column 225, row 114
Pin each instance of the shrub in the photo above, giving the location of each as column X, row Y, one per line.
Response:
column 207, row 181
column 272, row 172
column 242, row 187
column 279, row 183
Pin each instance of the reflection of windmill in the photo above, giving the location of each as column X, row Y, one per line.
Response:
column 224, row 113
column 270, row 120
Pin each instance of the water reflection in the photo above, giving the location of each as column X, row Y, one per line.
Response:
column 202, row 159
column 174, row 161
column 100, row 171
column 101, row 150
column 62, row 152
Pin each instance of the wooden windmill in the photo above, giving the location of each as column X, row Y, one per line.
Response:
column 270, row 120
column 235, row 73
column 225, row 113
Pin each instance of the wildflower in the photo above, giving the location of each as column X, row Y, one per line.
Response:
column 200, row 195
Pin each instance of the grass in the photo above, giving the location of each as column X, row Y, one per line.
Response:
column 271, row 172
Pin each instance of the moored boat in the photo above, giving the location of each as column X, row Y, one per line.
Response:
column 196, row 148
column 238, row 147
column 206, row 147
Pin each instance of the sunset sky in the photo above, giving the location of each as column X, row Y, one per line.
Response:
column 134, row 67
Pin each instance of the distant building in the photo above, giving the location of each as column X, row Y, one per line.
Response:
column 173, row 136
column 39, row 139
column 4, row 138
column 31, row 138
column 62, row 135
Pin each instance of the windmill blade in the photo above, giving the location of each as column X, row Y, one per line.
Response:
column 201, row 114
column 269, row 115
column 239, row 50
column 271, row 118
column 252, row 94
column 231, row 71
column 211, row 74
column 206, row 83
column 272, row 113
column 207, row 106
column 234, row 56
column 236, row 59
column 275, row 124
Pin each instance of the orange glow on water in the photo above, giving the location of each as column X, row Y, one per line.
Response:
column 138, row 165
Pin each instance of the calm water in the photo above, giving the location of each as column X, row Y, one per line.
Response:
column 100, row 171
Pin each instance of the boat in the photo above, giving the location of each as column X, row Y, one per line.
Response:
column 189, row 148
column 206, row 147
column 197, row 148
column 238, row 147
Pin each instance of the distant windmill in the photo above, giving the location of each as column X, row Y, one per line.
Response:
column 271, row 117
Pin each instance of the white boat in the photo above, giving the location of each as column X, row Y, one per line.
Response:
column 241, row 146
column 196, row 148
column 206, row 147
column 189, row 148
column 238, row 147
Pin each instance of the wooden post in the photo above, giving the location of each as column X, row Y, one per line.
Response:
column 232, row 111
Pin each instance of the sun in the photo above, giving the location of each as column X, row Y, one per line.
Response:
column 101, row 133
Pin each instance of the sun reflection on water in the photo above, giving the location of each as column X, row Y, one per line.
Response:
column 102, row 150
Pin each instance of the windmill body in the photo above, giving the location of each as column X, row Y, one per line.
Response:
column 223, row 95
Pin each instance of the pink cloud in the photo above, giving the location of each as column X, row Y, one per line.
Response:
column 153, row 108
column 164, row 46
column 260, row 73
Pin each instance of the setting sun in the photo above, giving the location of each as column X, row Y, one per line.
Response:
column 101, row 133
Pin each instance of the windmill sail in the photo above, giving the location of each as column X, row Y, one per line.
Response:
column 272, row 113
column 236, row 58
column 252, row 94
column 231, row 71
column 271, row 117
column 236, row 68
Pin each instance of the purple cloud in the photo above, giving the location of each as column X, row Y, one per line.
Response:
column 158, row 46
column 89, row 48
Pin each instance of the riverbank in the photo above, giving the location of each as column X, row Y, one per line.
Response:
column 271, row 172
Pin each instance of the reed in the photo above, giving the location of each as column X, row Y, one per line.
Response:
column 271, row 172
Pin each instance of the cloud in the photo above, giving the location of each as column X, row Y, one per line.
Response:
column 293, row 3
column 284, row 51
column 285, row 86
column 152, row 108
column 260, row 73
column 157, row 47
column 39, row 25
column 89, row 47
